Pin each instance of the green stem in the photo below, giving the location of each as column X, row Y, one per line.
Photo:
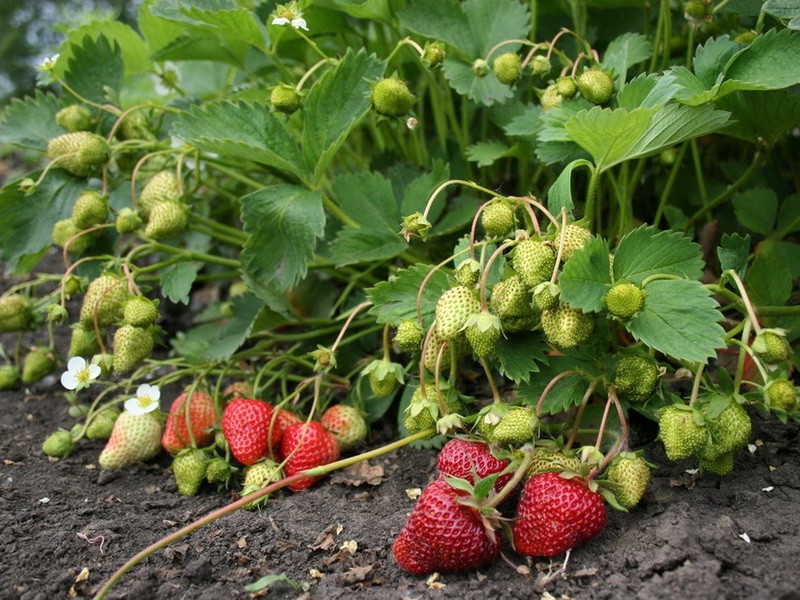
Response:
column 201, row 256
column 217, row 226
column 673, row 175
column 737, row 380
column 234, row 174
column 591, row 192
column 698, row 172
column 234, row 506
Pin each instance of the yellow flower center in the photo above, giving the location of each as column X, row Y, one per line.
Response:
column 83, row 375
column 145, row 401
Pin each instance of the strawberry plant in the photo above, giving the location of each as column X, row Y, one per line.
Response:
column 513, row 226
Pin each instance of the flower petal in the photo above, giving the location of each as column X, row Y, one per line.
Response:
column 280, row 21
column 299, row 23
column 75, row 364
column 94, row 371
column 133, row 406
column 69, row 380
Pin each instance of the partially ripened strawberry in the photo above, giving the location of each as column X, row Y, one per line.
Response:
column 453, row 309
column 167, row 219
column 91, row 208
column 346, row 424
column 566, row 327
column 199, row 411
column 533, row 261
column 442, row 534
column 680, row 432
column 631, row 474
column 80, row 152
column 189, row 469
column 392, row 98
column 471, row 461
column 305, row 446
column 135, row 438
column 556, row 514
column 257, row 477
column 162, row 186
column 104, row 297
column 131, row 346
column 245, row 424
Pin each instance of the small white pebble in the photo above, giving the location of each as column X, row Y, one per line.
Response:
column 10, row 480
column 752, row 448
column 44, row 500
column 745, row 537
column 692, row 471
column 769, row 488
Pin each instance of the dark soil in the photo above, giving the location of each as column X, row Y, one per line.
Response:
column 686, row 539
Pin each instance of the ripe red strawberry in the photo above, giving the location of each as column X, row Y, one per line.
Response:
column 200, row 411
column 555, row 514
column 245, row 424
column 466, row 460
column 305, row 446
column 346, row 424
column 134, row 438
column 444, row 535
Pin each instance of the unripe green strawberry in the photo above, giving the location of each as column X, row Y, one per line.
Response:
column 489, row 417
column 58, row 444
column 548, row 459
column 510, row 298
column 104, row 297
column 453, row 309
column 219, row 471
column 566, row 327
column 480, row 67
column 497, row 218
column 392, row 98
column 507, row 68
column 697, row 11
column 533, row 261
column 423, row 412
column 722, row 465
column 189, row 469
column 80, row 153
column 540, row 65
column 459, row 345
column 91, row 208
column 781, row 394
column 324, row 359
column 624, row 300
column 596, row 86
column 131, row 346
column 37, row 364
column 135, row 126
column 75, row 117
column 135, row 438
column 258, row 476
column 550, row 98
column 83, row 341
column 729, row 431
column 285, row 99
column 468, row 273
column 15, row 313
column 566, row 87
column 9, row 377
column 105, row 361
column 408, row 336
column 102, row 423
column 575, row 237
column 139, row 311
column 55, row 313
column 346, row 424
column 162, row 186
column 771, row 346
column 127, row 221
column 483, row 332
column 681, row 435
column 415, row 225
column 64, row 232
column 384, row 376
column 636, row 377
column 167, row 219
column 516, row 428
column 433, row 54
column 746, row 37
column 545, row 295
column 631, row 473
column 74, row 285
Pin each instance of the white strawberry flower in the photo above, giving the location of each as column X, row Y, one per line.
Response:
column 289, row 14
column 48, row 63
column 146, row 400
column 79, row 374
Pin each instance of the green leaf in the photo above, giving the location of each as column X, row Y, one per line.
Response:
column 177, row 280
column 734, row 252
column 519, row 355
column 625, row 51
column 232, row 335
column 711, row 59
column 761, row 117
column 586, row 276
column 756, row 209
column 28, row 220
column 560, row 193
column 225, row 16
column 242, row 130
column 643, row 252
column 494, row 21
column 94, row 68
column 31, row 122
column 769, row 63
column 789, row 215
column 648, row 91
column 769, row 281
column 788, row 10
column 268, row 580
column 367, row 198
column 553, row 142
column 567, row 391
column 679, row 319
column 441, row 20
column 488, row 152
column 396, row 299
column 486, row 90
column 135, row 53
column 417, row 191
column 608, row 135
column 283, row 222
column 357, row 245
column 525, row 124
column 336, row 104
column 786, row 253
